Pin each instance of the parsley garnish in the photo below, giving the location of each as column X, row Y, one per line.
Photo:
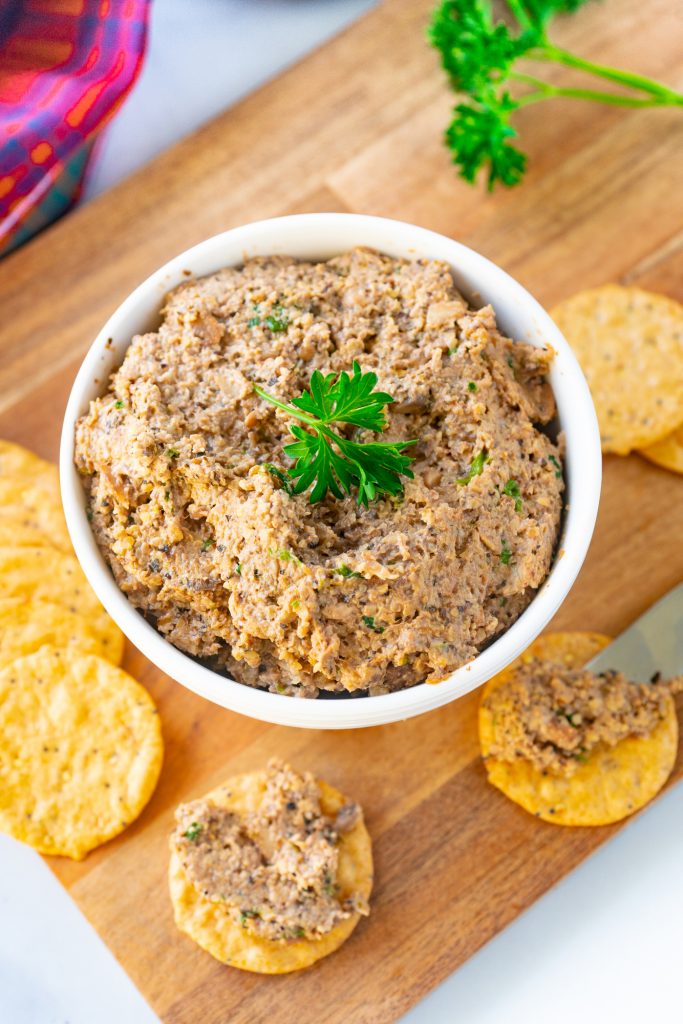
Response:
column 476, row 468
column 369, row 621
column 343, row 570
column 172, row 453
column 118, row 404
column 471, row 386
column 324, row 458
column 253, row 321
column 479, row 51
column 558, row 467
column 208, row 543
column 512, row 490
column 193, row 832
column 238, row 568
column 505, row 553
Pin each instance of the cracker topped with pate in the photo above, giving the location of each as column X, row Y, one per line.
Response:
column 573, row 747
column 272, row 871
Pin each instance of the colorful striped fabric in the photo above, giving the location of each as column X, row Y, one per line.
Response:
column 65, row 67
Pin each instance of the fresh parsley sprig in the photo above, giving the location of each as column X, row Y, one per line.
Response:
column 324, row 458
column 479, row 54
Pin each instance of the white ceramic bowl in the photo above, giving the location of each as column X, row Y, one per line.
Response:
column 319, row 236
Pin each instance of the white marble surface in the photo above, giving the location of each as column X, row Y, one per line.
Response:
column 604, row 945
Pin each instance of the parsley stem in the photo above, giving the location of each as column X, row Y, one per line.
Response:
column 546, row 91
column 291, row 409
column 555, row 54
column 520, row 14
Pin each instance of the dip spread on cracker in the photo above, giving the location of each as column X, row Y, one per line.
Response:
column 571, row 747
column 271, row 871
column 554, row 718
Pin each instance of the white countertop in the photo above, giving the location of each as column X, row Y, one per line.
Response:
column 604, row 944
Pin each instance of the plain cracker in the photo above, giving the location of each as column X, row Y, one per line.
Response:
column 30, row 499
column 26, row 625
column 630, row 345
column 668, row 452
column 47, row 574
column 80, row 751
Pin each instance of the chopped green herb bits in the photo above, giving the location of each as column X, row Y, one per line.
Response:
column 369, row 621
column 284, row 555
column 558, row 467
column 512, row 490
column 347, row 573
column 476, row 468
column 280, row 475
column 276, row 324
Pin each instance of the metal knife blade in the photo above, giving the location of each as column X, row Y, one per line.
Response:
column 653, row 643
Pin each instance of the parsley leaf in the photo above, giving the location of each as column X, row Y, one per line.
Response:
column 324, row 458
column 505, row 553
column 193, row 832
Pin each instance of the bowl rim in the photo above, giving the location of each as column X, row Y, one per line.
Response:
column 313, row 236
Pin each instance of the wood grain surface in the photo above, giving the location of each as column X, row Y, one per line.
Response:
column 356, row 126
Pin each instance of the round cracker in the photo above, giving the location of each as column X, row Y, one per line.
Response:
column 613, row 782
column 46, row 574
column 80, row 751
column 17, row 462
column 630, row 345
column 668, row 452
column 25, row 626
column 217, row 932
column 18, row 528
column 30, row 500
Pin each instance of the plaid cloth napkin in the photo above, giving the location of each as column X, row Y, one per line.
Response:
column 65, row 68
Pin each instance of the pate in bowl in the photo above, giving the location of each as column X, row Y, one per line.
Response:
column 178, row 494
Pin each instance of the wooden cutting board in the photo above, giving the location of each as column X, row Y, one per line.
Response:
column 356, row 126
